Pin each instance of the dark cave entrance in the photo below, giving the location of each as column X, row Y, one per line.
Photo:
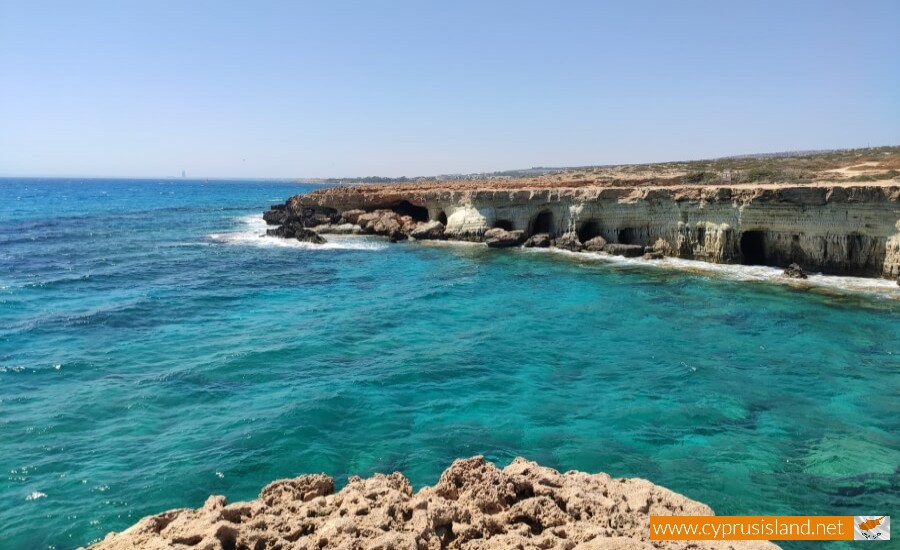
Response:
column 627, row 236
column 588, row 231
column 542, row 223
column 504, row 224
column 406, row 208
column 753, row 247
column 442, row 217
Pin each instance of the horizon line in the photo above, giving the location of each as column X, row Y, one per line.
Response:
column 312, row 180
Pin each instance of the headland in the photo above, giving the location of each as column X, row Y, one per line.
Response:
column 840, row 215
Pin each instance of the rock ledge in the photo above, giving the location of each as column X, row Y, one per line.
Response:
column 474, row 505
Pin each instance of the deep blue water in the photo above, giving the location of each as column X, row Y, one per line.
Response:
column 154, row 350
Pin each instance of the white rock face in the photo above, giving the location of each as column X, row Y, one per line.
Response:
column 853, row 230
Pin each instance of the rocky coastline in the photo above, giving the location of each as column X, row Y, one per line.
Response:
column 839, row 228
column 474, row 505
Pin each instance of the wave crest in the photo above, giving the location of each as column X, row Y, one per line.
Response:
column 252, row 232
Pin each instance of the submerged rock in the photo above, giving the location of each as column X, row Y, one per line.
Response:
column 597, row 244
column 540, row 240
column 627, row 250
column 794, row 271
column 501, row 238
column 568, row 241
column 474, row 505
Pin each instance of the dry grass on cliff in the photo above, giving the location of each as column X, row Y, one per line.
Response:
column 879, row 165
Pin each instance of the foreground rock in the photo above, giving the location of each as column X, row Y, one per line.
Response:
column 474, row 506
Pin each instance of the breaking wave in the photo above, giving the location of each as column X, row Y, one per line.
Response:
column 251, row 231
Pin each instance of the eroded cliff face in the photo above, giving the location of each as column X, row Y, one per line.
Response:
column 836, row 229
column 474, row 506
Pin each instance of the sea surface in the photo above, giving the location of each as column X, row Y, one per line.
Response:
column 154, row 349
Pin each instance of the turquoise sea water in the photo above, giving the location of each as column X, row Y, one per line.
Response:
column 155, row 350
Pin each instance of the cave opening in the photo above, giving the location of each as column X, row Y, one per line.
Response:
column 753, row 247
column 588, row 231
column 406, row 208
column 854, row 248
column 506, row 225
column 442, row 217
column 542, row 223
column 627, row 236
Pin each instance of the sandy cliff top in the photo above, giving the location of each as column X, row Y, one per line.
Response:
column 876, row 167
column 473, row 506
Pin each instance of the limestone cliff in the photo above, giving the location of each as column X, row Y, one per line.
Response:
column 473, row 506
column 849, row 229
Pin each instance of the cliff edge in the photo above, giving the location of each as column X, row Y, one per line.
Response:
column 473, row 506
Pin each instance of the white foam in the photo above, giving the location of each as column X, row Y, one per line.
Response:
column 252, row 232
column 758, row 273
column 35, row 495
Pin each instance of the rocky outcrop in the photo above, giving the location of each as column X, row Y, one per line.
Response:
column 474, row 506
column 627, row 250
column 294, row 230
column 850, row 229
column 541, row 240
column 569, row 241
column 794, row 271
column 501, row 238
column 597, row 244
column 276, row 215
column 433, row 230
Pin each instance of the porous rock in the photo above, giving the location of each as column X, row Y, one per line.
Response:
column 474, row 505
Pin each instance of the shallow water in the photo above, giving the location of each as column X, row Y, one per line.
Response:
column 154, row 349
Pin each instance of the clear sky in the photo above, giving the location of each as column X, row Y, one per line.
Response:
column 334, row 88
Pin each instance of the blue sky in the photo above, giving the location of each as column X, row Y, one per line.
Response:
column 306, row 89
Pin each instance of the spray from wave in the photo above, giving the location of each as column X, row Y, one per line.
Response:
column 251, row 231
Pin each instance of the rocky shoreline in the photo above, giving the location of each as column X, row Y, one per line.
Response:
column 474, row 505
column 839, row 229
